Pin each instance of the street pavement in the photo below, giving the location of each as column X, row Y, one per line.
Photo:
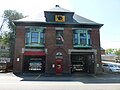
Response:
column 83, row 78
column 28, row 81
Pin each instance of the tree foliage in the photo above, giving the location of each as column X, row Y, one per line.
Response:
column 109, row 51
column 9, row 38
column 4, row 39
column 0, row 38
column 11, row 15
column 4, row 45
column 113, row 51
column 117, row 52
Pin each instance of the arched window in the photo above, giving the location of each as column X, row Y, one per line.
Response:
column 59, row 55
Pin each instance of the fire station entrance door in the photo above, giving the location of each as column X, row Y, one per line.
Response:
column 58, row 66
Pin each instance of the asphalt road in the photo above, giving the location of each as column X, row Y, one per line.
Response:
column 9, row 81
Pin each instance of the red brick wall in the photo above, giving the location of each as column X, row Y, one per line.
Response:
column 52, row 48
column 68, row 37
column 49, row 44
column 20, row 43
column 95, row 35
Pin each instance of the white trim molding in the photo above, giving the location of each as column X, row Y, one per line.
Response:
column 83, row 51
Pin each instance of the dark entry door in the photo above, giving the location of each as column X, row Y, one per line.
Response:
column 58, row 66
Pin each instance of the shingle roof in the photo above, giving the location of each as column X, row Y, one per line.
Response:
column 102, row 48
column 36, row 18
column 40, row 17
column 57, row 8
column 81, row 20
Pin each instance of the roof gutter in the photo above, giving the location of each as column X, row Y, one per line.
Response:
column 57, row 24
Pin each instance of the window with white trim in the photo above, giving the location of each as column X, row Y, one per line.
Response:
column 34, row 36
column 82, row 38
column 59, row 37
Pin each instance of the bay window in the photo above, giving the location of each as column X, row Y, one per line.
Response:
column 82, row 38
column 34, row 36
column 75, row 38
column 42, row 37
column 27, row 37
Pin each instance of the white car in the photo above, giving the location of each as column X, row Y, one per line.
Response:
column 110, row 68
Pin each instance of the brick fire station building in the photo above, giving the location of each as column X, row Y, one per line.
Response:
column 57, row 41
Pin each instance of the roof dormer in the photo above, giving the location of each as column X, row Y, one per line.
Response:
column 59, row 15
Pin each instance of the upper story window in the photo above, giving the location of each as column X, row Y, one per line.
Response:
column 34, row 36
column 75, row 38
column 82, row 38
column 59, row 35
column 42, row 37
column 27, row 37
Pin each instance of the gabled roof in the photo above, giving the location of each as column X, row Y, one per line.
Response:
column 40, row 17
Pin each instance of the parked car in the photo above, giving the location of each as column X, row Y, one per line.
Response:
column 110, row 68
column 117, row 61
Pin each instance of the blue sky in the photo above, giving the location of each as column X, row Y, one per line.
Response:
column 106, row 12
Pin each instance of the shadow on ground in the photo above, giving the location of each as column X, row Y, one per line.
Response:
column 83, row 78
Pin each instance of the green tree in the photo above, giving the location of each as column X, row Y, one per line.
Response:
column 0, row 38
column 117, row 52
column 5, row 38
column 9, row 16
column 4, row 45
column 109, row 51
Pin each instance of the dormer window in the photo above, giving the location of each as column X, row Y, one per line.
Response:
column 59, row 18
